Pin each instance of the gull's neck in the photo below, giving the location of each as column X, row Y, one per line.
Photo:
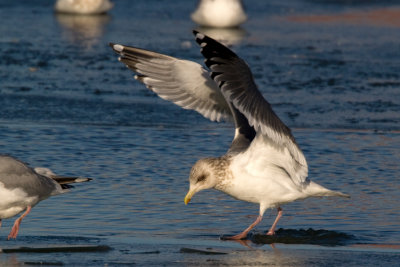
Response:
column 220, row 170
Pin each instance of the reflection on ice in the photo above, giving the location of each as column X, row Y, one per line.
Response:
column 301, row 236
column 208, row 251
column 58, row 249
column 39, row 250
column 227, row 36
column 83, row 30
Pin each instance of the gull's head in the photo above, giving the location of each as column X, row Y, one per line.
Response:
column 201, row 177
column 45, row 172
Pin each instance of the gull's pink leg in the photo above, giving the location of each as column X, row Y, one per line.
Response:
column 244, row 233
column 15, row 228
column 0, row 222
column 272, row 229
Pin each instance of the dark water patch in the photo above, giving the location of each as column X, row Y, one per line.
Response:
column 310, row 236
column 116, row 263
column 59, row 249
column 70, row 240
column 292, row 115
column 325, row 63
column 338, row 90
column 315, row 82
column 208, row 251
column 102, row 92
column 74, row 109
column 387, row 83
column 25, row 89
column 375, row 106
column 25, row 56
column 44, row 263
column 386, row 120
column 148, row 252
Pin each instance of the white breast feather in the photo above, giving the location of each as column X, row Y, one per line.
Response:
column 14, row 201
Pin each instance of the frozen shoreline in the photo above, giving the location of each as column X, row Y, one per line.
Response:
column 155, row 251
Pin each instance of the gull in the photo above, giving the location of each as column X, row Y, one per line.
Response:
column 22, row 187
column 264, row 164
column 83, row 7
column 219, row 13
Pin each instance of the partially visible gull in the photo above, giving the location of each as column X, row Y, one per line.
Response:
column 22, row 187
column 83, row 7
column 219, row 13
column 264, row 164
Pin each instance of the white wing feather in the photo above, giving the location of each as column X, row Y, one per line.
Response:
column 183, row 82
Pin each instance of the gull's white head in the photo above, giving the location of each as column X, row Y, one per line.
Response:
column 45, row 172
column 201, row 177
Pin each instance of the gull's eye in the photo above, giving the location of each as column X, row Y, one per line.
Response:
column 201, row 178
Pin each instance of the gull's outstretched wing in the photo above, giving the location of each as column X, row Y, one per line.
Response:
column 235, row 79
column 182, row 82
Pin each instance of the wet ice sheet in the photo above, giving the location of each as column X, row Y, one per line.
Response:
column 334, row 74
column 156, row 251
column 138, row 187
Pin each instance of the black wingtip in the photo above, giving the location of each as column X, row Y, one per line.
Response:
column 112, row 46
column 211, row 47
column 199, row 36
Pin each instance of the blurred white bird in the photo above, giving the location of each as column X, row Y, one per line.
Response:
column 219, row 13
column 83, row 7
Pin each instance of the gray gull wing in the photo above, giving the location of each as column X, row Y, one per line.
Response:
column 235, row 79
column 183, row 82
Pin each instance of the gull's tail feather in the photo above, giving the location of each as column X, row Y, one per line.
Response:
column 337, row 194
column 66, row 182
column 316, row 190
column 71, row 180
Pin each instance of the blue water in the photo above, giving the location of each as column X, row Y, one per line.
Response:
column 68, row 104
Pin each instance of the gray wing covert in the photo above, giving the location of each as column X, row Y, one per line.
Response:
column 182, row 82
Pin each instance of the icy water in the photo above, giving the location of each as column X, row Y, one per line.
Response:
column 330, row 69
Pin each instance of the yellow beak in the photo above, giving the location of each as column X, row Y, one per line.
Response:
column 188, row 197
